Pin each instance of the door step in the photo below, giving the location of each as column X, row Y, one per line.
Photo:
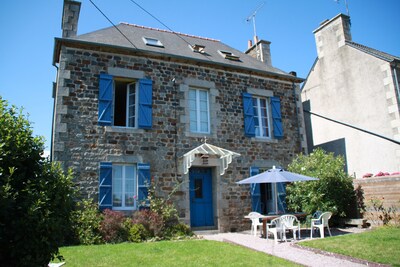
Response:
column 206, row 232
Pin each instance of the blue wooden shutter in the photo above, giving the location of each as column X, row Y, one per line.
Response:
column 255, row 192
column 105, row 99
column 145, row 120
column 248, row 110
column 276, row 117
column 281, row 190
column 143, row 182
column 105, row 186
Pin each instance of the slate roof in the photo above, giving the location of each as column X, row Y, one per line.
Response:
column 175, row 45
column 373, row 52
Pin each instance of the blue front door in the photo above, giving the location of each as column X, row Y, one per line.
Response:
column 201, row 208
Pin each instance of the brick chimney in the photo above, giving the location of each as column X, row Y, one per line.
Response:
column 69, row 24
column 332, row 34
column 260, row 50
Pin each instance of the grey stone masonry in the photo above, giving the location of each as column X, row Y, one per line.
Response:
column 69, row 24
column 81, row 144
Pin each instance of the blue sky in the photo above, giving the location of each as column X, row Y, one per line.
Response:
column 28, row 29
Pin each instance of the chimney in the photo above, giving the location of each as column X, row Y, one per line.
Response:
column 260, row 50
column 69, row 24
column 332, row 34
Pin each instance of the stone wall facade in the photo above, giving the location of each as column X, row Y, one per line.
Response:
column 81, row 144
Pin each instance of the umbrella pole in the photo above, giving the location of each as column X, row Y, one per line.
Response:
column 276, row 199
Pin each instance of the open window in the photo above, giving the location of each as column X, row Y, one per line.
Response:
column 152, row 42
column 125, row 107
column 228, row 55
column 198, row 48
column 125, row 102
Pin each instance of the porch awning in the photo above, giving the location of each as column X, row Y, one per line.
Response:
column 225, row 156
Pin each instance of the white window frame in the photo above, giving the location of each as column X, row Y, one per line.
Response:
column 123, row 178
column 257, row 116
column 198, row 111
column 129, row 86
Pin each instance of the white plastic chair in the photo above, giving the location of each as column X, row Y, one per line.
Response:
column 321, row 223
column 275, row 227
column 291, row 223
column 255, row 222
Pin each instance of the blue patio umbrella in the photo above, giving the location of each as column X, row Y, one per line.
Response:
column 274, row 176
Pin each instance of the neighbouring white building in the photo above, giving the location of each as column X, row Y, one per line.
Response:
column 359, row 86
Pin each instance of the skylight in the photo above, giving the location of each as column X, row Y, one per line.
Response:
column 228, row 55
column 152, row 42
column 197, row 48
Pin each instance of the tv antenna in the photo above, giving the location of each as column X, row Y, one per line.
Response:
column 253, row 18
column 347, row 6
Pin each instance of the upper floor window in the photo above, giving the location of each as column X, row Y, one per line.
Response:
column 257, row 119
column 261, row 117
column 152, row 42
column 199, row 110
column 125, row 102
column 228, row 55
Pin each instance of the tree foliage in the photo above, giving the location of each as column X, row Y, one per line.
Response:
column 35, row 195
column 332, row 192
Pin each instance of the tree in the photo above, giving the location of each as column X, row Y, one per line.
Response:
column 36, row 197
column 332, row 192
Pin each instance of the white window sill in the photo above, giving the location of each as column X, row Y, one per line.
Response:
column 264, row 140
column 117, row 129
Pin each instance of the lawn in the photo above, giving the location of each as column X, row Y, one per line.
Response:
column 168, row 253
column 381, row 245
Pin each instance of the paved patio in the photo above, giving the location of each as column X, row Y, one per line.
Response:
column 289, row 250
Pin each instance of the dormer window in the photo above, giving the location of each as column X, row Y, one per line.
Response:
column 228, row 55
column 152, row 42
column 198, row 48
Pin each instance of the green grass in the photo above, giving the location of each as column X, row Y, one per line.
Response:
column 381, row 245
column 168, row 253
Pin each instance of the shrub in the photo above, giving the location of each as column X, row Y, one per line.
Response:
column 138, row 233
column 152, row 222
column 86, row 223
column 179, row 230
column 112, row 227
column 332, row 192
column 36, row 196
column 379, row 214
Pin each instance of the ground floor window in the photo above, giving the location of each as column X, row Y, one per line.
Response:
column 124, row 186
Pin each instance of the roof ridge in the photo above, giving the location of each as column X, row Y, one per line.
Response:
column 167, row 31
column 376, row 52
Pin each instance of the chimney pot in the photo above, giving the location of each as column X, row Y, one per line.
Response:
column 255, row 39
column 249, row 44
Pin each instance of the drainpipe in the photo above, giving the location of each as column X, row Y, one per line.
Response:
column 396, row 84
column 297, row 111
column 54, row 94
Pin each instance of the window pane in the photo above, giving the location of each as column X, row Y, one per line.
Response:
column 131, row 105
column 117, row 186
column 198, row 188
column 204, row 127
column 129, row 186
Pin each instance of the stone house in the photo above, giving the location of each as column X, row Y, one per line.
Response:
column 352, row 92
column 190, row 114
